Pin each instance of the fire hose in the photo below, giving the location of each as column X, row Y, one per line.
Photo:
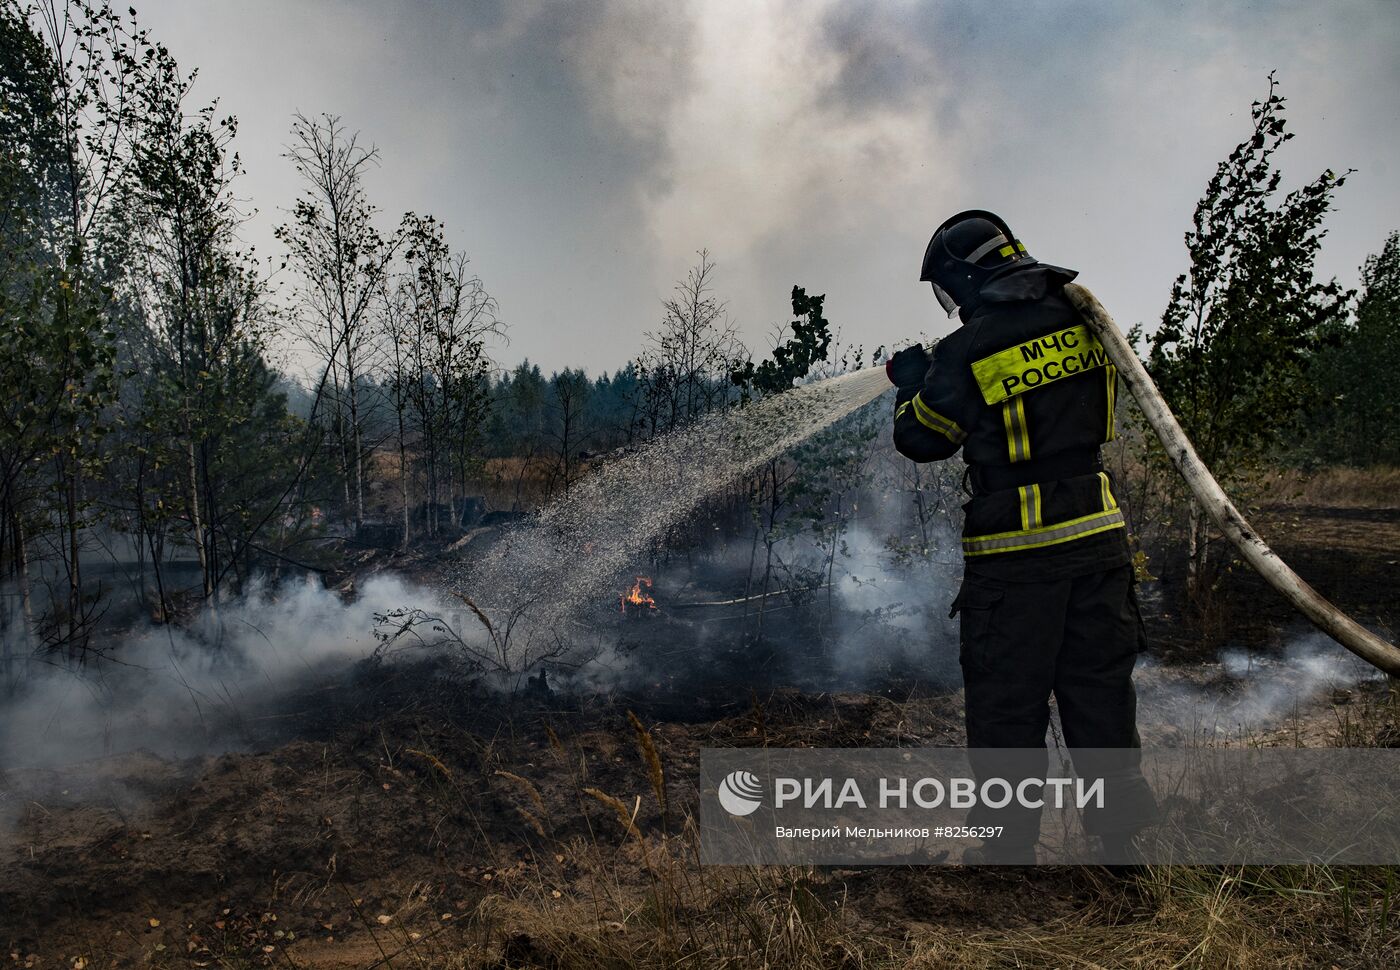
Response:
column 1217, row 504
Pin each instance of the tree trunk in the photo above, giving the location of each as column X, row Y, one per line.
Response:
column 1193, row 548
column 748, row 579
column 13, row 644
column 75, row 577
column 211, row 525
column 831, row 573
column 430, row 499
column 196, row 519
column 26, row 597
column 767, row 578
column 403, row 483
column 357, row 452
column 768, row 542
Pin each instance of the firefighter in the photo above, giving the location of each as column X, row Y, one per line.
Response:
column 1047, row 604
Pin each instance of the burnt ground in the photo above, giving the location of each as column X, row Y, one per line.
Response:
column 401, row 812
column 391, row 816
column 1350, row 555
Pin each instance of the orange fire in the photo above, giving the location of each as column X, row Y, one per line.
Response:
column 637, row 598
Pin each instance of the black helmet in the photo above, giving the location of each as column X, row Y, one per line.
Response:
column 967, row 251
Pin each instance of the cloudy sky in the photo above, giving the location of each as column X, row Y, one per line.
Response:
column 582, row 152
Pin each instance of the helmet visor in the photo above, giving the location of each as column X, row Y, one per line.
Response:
column 944, row 300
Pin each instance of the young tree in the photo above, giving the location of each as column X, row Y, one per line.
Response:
column 396, row 335
column 683, row 370
column 793, row 357
column 342, row 260
column 30, row 165
column 797, row 348
column 203, row 402
column 56, row 364
column 451, row 317
column 1232, row 353
column 69, row 103
column 833, row 464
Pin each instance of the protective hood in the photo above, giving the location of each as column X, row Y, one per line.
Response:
column 1027, row 281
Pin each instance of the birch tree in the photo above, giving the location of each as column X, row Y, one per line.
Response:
column 341, row 260
column 684, row 367
column 451, row 319
column 1246, row 318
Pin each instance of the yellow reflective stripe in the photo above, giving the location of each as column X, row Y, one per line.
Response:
column 1030, row 507
column 1055, row 527
column 931, row 419
column 1111, row 377
column 1038, row 362
column 1086, row 525
column 1006, row 250
column 1025, row 428
column 1109, row 502
column 1011, row 436
column 899, row 411
column 1018, row 438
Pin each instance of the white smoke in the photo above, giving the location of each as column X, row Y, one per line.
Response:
column 893, row 612
column 181, row 691
column 1246, row 694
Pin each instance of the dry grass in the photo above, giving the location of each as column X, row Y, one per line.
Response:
column 1196, row 917
column 1372, row 721
column 1282, row 916
column 624, row 891
column 509, row 483
column 505, row 483
column 655, row 773
column 682, row 914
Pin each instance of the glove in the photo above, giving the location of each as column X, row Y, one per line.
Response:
column 909, row 367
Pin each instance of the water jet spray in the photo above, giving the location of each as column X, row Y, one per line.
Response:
column 547, row 570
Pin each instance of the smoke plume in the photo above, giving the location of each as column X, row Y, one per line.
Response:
column 184, row 691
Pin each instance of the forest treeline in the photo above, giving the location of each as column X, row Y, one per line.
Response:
column 145, row 421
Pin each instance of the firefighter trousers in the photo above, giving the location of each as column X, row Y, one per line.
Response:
column 1077, row 639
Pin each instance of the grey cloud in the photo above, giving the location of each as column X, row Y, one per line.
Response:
column 581, row 152
column 887, row 53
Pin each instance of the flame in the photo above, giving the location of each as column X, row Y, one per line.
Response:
column 636, row 598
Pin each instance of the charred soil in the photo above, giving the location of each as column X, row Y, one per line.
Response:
column 392, row 815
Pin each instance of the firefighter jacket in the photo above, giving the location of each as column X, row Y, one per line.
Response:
column 1027, row 392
